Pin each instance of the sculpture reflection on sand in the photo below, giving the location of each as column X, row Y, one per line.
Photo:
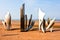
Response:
column 42, row 22
column 7, row 21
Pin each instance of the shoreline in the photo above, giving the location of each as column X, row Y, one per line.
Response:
column 17, row 23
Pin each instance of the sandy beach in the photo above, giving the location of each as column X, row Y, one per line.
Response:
column 33, row 34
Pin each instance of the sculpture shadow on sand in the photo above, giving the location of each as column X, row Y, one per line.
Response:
column 10, row 34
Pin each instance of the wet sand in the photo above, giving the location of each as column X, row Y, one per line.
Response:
column 33, row 34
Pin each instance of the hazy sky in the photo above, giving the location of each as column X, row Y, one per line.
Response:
column 50, row 7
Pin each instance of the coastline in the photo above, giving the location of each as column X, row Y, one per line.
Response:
column 17, row 23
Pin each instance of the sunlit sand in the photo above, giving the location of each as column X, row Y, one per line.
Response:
column 33, row 34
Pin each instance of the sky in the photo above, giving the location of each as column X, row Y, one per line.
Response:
column 50, row 7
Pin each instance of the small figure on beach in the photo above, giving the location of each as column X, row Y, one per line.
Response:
column 7, row 21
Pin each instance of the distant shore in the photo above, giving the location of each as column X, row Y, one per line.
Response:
column 17, row 23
